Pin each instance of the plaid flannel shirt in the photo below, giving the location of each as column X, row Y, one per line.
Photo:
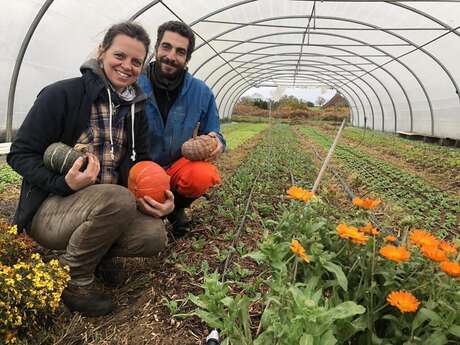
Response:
column 97, row 139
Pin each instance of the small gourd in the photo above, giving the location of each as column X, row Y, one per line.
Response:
column 60, row 157
column 200, row 147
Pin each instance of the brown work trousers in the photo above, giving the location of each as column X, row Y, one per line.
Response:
column 99, row 221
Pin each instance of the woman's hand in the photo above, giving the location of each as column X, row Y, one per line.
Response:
column 77, row 179
column 218, row 150
column 156, row 209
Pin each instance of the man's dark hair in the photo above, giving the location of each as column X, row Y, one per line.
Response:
column 129, row 29
column 179, row 28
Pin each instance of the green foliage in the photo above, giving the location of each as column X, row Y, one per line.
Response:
column 299, row 314
column 172, row 305
column 238, row 133
column 429, row 207
column 8, row 177
column 336, row 292
column 221, row 311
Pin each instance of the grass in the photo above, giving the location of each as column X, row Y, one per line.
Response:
column 237, row 133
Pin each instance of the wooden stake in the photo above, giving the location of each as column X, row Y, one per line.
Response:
column 195, row 131
column 328, row 158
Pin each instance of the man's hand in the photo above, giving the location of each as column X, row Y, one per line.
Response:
column 77, row 179
column 156, row 209
column 218, row 150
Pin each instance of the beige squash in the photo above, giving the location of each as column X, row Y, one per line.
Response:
column 199, row 148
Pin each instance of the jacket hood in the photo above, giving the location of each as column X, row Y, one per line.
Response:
column 93, row 66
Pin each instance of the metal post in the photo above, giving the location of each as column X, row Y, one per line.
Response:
column 17, row 67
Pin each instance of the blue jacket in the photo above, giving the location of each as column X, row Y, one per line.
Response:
column 194, row 104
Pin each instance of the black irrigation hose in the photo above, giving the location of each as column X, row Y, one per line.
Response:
column 243, row 219
column 240, row 227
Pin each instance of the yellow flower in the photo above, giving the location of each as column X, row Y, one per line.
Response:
column 298, row 250
column 422, row 238
column 397, row 254
column 299, row 194
column 369, row 229
column 434, row 253
column 35, row 256
column 451, row 268
column 13, row 230
column 366, row 203
column 404, row 301
column 351, row 233
column 390, row 238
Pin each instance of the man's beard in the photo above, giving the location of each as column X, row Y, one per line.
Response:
column 179, row 68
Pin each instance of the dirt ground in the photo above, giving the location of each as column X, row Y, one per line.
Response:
column 141, row 315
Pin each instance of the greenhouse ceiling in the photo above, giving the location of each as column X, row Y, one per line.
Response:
column 395, row 62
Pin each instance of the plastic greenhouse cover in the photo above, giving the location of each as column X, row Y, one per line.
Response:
column 396, row 62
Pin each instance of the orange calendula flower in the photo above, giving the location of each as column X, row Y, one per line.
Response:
column 298, row 250
column 369, row 229
column 404, row 301
column 390, row 238
column 451, row 268
column 434, row 253
column 299, row 194
column 397, row 254
column 342, row 230
column 366, row 203
column 422, row 238
column 351, row 233
column 448, row 248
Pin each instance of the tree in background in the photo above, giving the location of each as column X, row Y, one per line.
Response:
column 320, row 101
column 285, row 101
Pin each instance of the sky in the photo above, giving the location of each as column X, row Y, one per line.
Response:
column 305, row 94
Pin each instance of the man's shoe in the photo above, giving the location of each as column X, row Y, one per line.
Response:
column 111, row 272
column 87, row 300
column 181, row 224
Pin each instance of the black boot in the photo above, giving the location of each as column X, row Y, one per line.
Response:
column 181, row 224
column 87, row 300
column 111, row 272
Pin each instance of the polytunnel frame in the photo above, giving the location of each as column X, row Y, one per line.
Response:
column 327, row 64
column 377, row 28
column 396, row 3
column 355, row 65
column 350, row 64
column 359, row 98
column 312, row 77
column 325, row 81
column 47, row 4
column 243, row 90
column 336, row 48
column 290, row 65
column 351, row 88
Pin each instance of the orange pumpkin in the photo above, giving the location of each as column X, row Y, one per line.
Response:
column 148, row 178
